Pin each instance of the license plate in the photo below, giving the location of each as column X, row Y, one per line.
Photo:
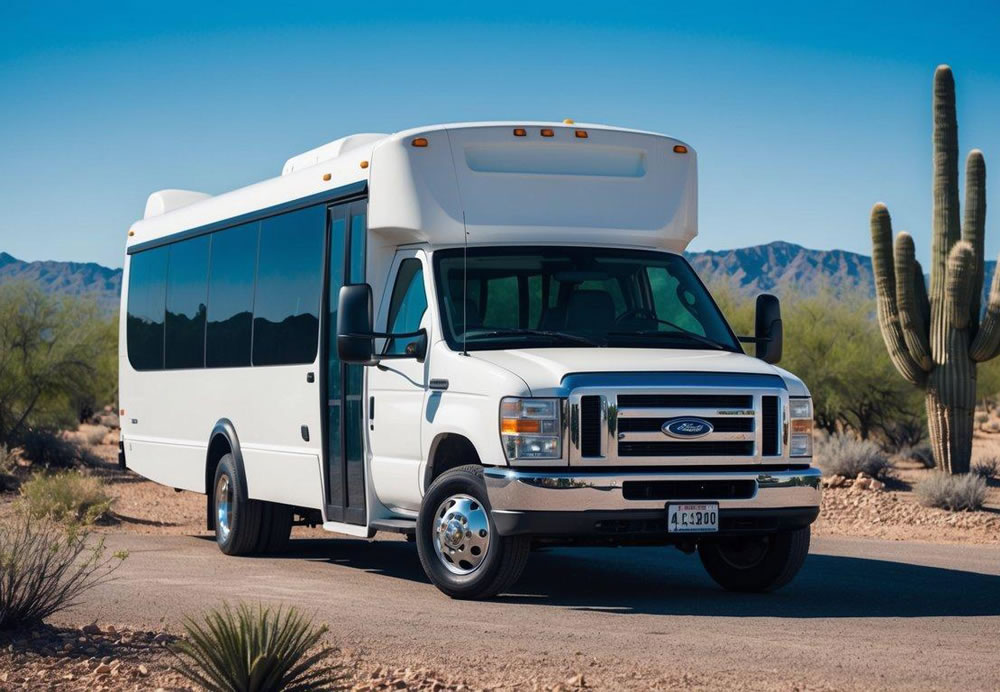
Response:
column 693, row 518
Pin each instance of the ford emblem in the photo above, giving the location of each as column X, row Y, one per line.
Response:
column 687, row 428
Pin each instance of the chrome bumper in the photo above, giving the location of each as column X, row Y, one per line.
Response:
column 518, row 491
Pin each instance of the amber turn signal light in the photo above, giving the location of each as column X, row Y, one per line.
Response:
column 581, row 134
column 680, row 149
column 520, row 132
column 419, row 142
column 520, row 425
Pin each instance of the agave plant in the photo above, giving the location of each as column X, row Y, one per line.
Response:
column 253, row 649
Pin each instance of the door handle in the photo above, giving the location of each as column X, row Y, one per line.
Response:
column 371, row 408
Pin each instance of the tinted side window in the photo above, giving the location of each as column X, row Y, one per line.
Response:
column 408, row 303
column 146, row 301
column 187, row 298
column 289, row 285
column 230, row 297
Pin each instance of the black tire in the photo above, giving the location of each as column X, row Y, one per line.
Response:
column 756, row 563
column 245, row 516
column 275, row 528
column 505, row 556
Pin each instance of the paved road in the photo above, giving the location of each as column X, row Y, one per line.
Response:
column 862, row 613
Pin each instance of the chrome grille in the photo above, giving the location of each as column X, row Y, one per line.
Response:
column 624, row 425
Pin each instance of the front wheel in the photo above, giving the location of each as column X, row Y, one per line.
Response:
column 756, row 563
column 459, row 547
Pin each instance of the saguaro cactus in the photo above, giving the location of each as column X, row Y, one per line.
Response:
column 936, row 340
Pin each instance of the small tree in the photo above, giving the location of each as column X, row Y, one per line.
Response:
column 55, row 354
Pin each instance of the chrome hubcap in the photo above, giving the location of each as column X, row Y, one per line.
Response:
column 223, row 508
column 461, row 534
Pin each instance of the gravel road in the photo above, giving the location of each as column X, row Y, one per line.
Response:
column 862, row 614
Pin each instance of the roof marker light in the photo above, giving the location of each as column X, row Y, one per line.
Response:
column 131, row 233
column 680, row 149
column 326, row 176
column 419, row 142
column 520, row 132
column 568, row 121
column 581, row 134
column 364, row 164
column 546, row 132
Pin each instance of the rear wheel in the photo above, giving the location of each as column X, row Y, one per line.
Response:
column 756, row 563
column 237, row 521
column 459, row 547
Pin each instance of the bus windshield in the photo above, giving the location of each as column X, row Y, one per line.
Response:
column 534, row 297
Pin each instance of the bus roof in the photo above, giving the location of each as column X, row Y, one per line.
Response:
column 489, row 182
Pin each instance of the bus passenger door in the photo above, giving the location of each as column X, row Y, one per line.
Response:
column 344, row 469
column 397, row 387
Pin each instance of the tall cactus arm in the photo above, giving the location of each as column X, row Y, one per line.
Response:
column 885, row 294
column 974, row 222
column 946, row 226
column 958, row 286
column 911, row 314
column 986, row 345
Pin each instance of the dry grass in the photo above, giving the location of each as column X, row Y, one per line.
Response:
column 68, row 496
column 845, row 455
column 957, row 493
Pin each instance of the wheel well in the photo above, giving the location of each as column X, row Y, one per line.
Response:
column 449, row 451
column 217, row 448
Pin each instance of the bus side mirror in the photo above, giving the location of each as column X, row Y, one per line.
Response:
column 355, row 340
column 767, row 328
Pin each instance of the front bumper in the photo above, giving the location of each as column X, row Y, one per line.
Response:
column 597, row 504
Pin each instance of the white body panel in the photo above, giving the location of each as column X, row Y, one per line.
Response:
column 475, row 184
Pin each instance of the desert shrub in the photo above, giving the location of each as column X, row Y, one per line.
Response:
column 96, row 437
column 958, row 492
column 921, row 454
column 67, row 496
column 57, row 357
column 987, row 467
column 252, row 648
column 846, row 455
column 8, row 463
column 51, row 450
column 45, row 568
column 982, row 417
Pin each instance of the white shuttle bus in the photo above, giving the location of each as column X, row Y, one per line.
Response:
column 484, row 336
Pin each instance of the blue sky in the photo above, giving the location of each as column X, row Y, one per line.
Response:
column 803, row 116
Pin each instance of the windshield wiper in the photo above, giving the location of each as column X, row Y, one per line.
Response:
column 536, row 332
column 682, row 333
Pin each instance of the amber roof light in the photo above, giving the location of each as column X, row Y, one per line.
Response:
column 520, row 132
column 680, row 149
column 546, row 132
column 419, row 142
column 581, row 134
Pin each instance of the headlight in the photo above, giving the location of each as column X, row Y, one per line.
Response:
column 531, row 428
column 800, row 443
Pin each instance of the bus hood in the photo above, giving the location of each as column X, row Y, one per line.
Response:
column 543, row 369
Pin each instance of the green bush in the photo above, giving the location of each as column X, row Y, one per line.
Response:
column 45, row 568
column 68, row 496
column 253, row 649
column 845, row 455
column 58, row 356
column 957, row 493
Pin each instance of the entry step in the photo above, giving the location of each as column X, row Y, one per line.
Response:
column 407, row 526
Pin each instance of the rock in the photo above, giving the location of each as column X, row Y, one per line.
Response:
column 143, row 670
column 110, row 629
column 876, row 485
column 102, row 669
column 861, row 483
column 161, row 638
column 577, row 681
column 92, row 628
